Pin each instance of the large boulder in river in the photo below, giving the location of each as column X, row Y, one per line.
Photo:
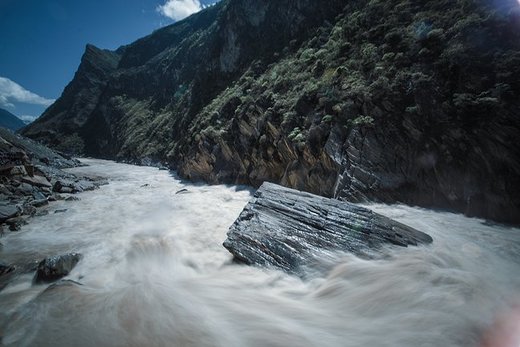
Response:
column 290, row 230
column 54, row 268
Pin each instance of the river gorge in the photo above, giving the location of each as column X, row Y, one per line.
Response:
column 154, row 272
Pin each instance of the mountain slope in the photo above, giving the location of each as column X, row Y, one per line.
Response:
column 382, row 100
column 122, row 100
column 10, row 121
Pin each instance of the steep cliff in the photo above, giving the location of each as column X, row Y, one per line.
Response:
column 383, row 100
column 65, row 124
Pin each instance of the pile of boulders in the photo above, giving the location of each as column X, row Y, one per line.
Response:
column 31, row 175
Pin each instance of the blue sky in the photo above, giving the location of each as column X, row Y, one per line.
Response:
column 41, row 41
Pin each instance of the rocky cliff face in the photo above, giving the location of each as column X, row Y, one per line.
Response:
column 382, row 100
column 65, row 124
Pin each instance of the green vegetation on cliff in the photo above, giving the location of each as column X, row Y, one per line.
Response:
column 395, row 100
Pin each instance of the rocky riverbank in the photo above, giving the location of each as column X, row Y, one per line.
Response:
column 153, row 272
column 31, row 176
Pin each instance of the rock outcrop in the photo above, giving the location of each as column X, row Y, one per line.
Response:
column 30, row 176
column 361, row 100
column 292, row 230
column 53, row 268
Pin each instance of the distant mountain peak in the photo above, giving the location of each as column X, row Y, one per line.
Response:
column 10, row 121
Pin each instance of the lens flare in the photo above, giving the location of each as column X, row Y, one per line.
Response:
column 505, row 331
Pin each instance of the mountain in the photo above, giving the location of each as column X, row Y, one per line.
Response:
column 393, row 101
column 10, row 121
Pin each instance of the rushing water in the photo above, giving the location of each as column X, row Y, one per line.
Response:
column 154, row 273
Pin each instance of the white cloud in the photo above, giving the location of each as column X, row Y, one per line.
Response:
column 11, row 92
column 28, row 118
column 179, row 9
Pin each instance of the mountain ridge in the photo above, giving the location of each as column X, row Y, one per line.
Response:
column 387, row 101
column 10, row 121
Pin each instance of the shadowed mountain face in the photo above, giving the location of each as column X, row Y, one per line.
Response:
column 10, row 121
column 383, row 100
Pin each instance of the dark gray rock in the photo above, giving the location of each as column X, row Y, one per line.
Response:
column 10, row 272
column 56, row 197
column 25, row 189
column 4, row 191
column 29, row 210
column 40, row 213
column 5, row 269
column 290, row 230
column 15, row 224
column 38, row 181
column 8, row 211
column 54, row 268
column 84, row 185
column 38, row 195
column 7, row 272
column 40, row 203
column 63, row 187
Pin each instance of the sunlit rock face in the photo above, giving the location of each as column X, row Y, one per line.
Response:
column 387, row 101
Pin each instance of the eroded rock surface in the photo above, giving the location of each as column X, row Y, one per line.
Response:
column 291, row 230
column 53, row 268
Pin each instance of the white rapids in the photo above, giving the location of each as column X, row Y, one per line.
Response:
column 154, row 273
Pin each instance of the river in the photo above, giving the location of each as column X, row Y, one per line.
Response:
column 154, row 273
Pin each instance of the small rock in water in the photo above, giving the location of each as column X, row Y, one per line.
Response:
column 38, row 195
column 40, row 203
column 61, row 211
column 182, row 191
column 63, row 187
column 15, row 224
column 29, row 209
column 40, row 213
column 54, row 268
column 5, row 269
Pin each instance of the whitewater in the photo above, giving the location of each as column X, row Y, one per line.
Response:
column 154, row 273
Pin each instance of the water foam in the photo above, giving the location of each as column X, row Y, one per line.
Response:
column 154, row 273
